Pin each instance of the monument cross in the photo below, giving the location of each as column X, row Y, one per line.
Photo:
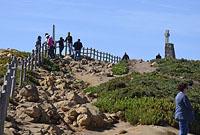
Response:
column 167, row 35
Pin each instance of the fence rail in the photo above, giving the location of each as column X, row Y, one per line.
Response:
column 32, row 62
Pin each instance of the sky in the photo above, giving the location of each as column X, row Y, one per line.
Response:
column 114, row 26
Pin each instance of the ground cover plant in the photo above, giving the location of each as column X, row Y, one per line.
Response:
column 149, row 98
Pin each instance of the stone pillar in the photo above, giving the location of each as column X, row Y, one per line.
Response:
column 169, row 50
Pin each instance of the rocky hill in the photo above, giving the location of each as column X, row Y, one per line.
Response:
column 60, row 98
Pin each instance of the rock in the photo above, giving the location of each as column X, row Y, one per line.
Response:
column 110, row 65
column 62, row 86
column 72, row 114
column 153, row 64
column 67, row 120
column 29, row 93
column 98, row 121
column 82, row 110
column 68, row 58
column 75, row 124
column 122, row 131
column 83, row 120
column 34, row 112
column 120, row 115
column 10, row 131
column 73, row 96
column 63, row 105
column 84, row 61
column 109, row 74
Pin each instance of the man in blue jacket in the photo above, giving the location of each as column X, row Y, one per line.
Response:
column 184, row 113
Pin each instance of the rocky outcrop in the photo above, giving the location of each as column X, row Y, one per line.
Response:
column 58, row 104
column 29, row 93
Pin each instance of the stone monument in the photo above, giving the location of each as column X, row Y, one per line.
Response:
column 169, row 47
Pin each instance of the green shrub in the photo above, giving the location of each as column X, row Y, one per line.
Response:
column 145, row 98
column 187, row 69
column 120, row 68
column 50, row 65
column 32, row 78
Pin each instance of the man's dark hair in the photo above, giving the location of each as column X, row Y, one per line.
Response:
column 182, row 86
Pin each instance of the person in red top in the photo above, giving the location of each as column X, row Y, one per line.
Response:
column 50, row 44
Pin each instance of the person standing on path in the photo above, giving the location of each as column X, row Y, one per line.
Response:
column 77, row 47
column 61, row 45
column 69, row 43
column 183, row 113
column 50, row 44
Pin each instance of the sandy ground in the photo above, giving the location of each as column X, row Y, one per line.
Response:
column 127, row 129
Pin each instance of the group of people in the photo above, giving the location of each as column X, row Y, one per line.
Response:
column 74, row 49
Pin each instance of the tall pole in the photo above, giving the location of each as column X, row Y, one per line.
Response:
column 54, row 38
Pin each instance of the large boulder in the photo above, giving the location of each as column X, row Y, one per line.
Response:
column 34, row 112
column 29, row 93
column 83, row 120
column 77, row 99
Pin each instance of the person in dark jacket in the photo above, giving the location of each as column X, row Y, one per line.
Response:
column 69, row 43
column 61, row 45
column 158, row 56
column 77, row 47
column 125, row 57
column 183, row 113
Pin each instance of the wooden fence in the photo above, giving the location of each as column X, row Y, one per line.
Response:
column 93, row 54
column 34, row 60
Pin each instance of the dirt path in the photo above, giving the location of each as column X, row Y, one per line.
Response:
column 92, row 79
column 127, row 129
column 141, row 67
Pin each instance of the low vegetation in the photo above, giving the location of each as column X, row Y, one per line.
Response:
column 149, row 98
column 50, row 65
column 120, row 68
column 5, row 60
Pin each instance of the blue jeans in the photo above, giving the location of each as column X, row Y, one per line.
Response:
column 183, row 127
column 77, row 54
column 70, row 48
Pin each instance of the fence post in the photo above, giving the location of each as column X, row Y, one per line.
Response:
column 83, row 51
column 114, row 59
column 33, row 62
column 46, row 49
column 13, row 77
column 36, row 55
column 29, row 62
column 39, row 56
column 97, row 55
column 25, row 67
column 90, row 52
column 87, row 52
column 106, row 57
column 109, row 60
column 103, row 56
column 21, row 72
column 94, row 51
column 42, row 53
column 100, row 56
column 117, row 59
column 3, row 99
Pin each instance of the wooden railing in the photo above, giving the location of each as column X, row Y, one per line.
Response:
column 32, row 62
column 93, row 54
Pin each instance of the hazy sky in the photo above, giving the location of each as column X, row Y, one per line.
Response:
column 115, row 26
